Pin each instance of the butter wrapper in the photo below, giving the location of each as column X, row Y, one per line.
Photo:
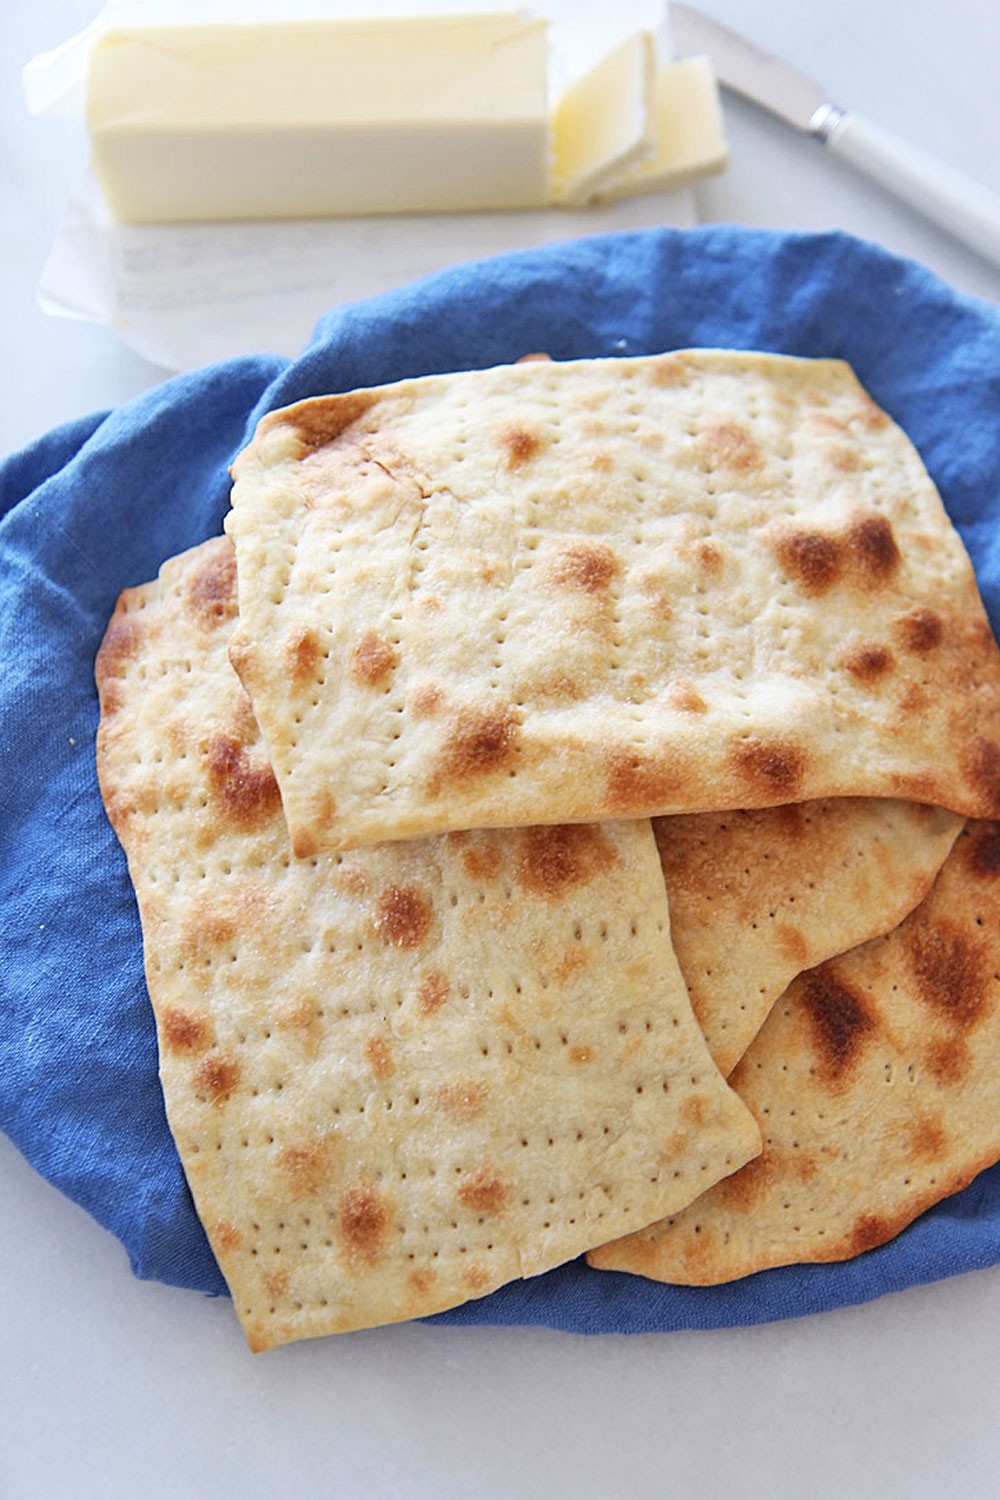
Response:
column 186, row 293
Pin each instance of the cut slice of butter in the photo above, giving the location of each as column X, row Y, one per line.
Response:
column 603, row 124
column 690, row 134
column 306, row 119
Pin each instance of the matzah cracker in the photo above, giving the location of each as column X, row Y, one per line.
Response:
column 559, row 592
column 402, row 1078
column 876, row 1080
column 756, row 897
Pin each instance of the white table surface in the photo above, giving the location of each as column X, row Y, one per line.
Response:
column 114, row 1388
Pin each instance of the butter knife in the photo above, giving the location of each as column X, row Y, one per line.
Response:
column 966, row 209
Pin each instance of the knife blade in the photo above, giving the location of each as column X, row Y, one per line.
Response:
column 967, row 209
column 748, row 70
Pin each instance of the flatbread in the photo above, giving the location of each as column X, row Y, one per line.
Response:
column 876, row 1080
column 549, row 593
column 402, row 1078
column 758, row 896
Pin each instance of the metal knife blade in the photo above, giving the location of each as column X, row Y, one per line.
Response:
column 962, row 207
column 748, row 70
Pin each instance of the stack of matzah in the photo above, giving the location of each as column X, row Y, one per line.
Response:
column 425, row 1024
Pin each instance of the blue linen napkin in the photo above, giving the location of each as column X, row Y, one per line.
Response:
column 98, row 505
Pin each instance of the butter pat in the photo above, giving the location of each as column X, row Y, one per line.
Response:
column 603, row 125
column 690, row 135
column 307, row 119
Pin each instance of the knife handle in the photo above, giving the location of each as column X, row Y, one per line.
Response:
column 965, row 208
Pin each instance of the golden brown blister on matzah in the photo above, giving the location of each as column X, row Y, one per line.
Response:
column 876, row 1081
column 401, row 1078
column 758, row 896
column 561, row 592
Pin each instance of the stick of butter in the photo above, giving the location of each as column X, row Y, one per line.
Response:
column 307, row 119
column 689, row 130
column 603, row 125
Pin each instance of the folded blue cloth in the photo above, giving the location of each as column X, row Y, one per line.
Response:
column 99, row 504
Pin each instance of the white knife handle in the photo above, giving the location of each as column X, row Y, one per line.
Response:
column 965, row 208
